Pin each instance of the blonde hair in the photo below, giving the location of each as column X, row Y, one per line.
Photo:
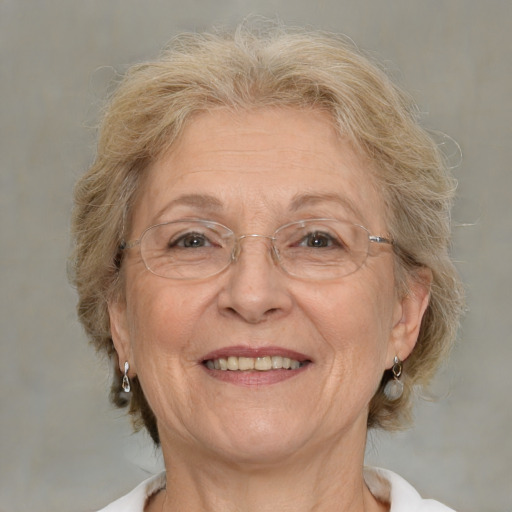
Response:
column 258, row 67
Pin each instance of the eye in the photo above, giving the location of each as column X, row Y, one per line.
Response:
column 190, row 241
column 320, row 240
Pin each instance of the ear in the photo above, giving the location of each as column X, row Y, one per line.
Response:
column 409, row 314
column 119, row 329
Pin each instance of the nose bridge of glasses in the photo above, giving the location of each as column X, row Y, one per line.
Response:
column 237, row 249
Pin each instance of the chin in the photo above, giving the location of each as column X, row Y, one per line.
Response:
column 262, row 441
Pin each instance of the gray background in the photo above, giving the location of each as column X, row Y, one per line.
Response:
column 62, row 447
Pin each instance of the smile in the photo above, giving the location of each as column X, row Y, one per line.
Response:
column 262, row 364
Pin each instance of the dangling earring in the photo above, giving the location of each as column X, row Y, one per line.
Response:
column 395, row 387
column 126, row 380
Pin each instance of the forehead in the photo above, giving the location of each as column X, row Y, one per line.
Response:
column 249, row 162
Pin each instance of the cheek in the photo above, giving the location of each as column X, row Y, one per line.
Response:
column 352, row 324
column 162, row 319
column 163, row 325
column 353, row 317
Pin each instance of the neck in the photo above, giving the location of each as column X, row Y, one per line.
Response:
column 324, row 478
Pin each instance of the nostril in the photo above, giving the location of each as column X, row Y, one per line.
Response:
column 251, row 316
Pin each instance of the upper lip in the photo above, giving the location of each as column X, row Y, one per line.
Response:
column 246, row 351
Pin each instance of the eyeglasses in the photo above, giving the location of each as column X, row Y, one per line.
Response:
column 316, row 249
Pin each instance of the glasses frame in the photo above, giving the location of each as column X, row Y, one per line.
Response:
column 127, row 245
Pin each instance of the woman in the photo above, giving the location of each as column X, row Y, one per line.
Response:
column 262, row 248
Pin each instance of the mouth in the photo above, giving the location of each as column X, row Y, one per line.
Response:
column 261, row 364
column 250, row 359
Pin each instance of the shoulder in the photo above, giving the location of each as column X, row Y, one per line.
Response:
column 135, row 501
column 391, row 488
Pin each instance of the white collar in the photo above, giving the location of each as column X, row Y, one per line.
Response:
column 385, row 485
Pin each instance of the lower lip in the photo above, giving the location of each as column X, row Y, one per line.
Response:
column 255, row 378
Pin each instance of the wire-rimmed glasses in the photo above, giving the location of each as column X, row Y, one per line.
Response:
column 316, row 249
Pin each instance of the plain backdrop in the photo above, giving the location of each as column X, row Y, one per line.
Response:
column 62, row 447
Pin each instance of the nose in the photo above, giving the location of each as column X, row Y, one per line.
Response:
column 255, row 289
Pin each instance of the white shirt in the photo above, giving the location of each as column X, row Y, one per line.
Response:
column 385, row 485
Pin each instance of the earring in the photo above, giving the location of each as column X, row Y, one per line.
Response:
column 126, row 380
column 395, row 387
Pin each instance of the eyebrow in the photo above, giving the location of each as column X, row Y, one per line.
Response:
column 203, row 201
column 312, row 199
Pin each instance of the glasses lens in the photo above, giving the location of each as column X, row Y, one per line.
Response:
column 187, row 249
column 321, row 249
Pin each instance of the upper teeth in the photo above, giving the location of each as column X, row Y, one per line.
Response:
column 253, row 363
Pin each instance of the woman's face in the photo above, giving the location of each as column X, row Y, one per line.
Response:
column 253, row 172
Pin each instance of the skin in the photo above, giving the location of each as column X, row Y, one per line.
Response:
column 297, row 444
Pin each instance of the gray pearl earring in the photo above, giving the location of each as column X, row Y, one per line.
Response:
column 395, row 387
